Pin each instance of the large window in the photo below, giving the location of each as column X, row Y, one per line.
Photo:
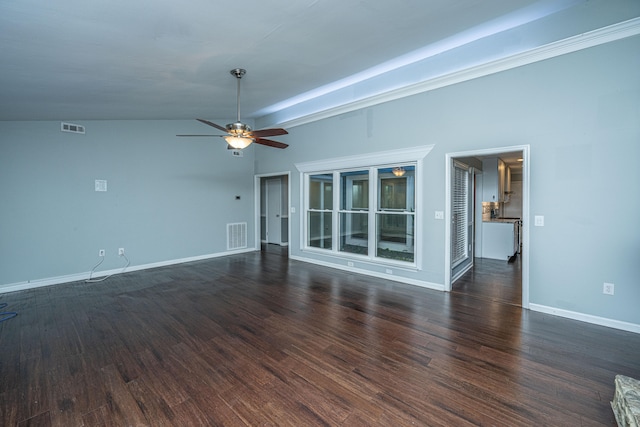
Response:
column 354, row 212
column 371, row 215
column 395, row 213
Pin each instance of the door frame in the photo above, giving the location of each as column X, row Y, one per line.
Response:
column 256, row 190
column 449, row 157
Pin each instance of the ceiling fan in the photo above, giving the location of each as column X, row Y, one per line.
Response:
column 240, row 135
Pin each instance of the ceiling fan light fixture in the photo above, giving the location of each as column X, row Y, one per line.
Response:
column 398, row 171
column 238, row 128
column 238, row 142
column 240, row 135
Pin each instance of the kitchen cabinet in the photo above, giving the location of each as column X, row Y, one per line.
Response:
column 496, row 179
column 499, row 239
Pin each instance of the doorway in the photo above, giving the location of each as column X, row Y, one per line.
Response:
column 476, row 217
column 272, row 207
column 273, row 211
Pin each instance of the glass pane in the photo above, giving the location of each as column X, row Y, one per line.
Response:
column 395, row 237
column 354, row 233
column 354, row 188
column 319, row 229
column 321, row 191
column 396, row 188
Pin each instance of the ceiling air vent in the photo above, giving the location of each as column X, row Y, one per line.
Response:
column 70, row 127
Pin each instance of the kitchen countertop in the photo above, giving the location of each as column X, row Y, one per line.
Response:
column 502, row 220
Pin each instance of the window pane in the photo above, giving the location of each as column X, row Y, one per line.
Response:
column 395, row 236
column 319, row 230
column 321, row 191
column 354, row 233
column 354, row 188
column 396, row 188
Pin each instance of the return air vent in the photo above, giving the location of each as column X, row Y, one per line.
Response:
column 236, row 235
column 70, row 127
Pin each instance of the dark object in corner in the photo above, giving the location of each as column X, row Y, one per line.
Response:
column 513, row 258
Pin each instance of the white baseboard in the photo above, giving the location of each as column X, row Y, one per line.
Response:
column 30, row 284
column 588, row 318
column 409, row 281
column 49, row 281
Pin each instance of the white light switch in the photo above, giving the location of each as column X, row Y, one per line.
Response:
column 101, row 185
column 439, row 215
column 539, row 221
column 293, row 209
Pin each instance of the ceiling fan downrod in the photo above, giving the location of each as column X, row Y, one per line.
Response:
column 238, row 73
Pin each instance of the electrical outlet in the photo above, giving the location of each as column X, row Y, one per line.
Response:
column 607, row 288
column 389, row 271
column 121, row 251
column 349, row 264
column 101, row 252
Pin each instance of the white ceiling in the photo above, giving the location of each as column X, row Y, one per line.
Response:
column 165, row 59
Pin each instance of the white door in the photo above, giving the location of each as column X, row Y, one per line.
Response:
column 274, row 207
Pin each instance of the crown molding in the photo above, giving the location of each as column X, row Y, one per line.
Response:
column 572, row 44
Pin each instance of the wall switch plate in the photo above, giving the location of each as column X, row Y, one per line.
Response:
column 101, row 185
column 349, row 264
column 608, row 288
column 293, row 209
column 539, row 221
column 389, row 271
column 439, row 215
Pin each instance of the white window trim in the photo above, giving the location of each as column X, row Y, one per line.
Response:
column 406, row 155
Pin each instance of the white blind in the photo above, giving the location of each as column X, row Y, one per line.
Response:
column 460, row 200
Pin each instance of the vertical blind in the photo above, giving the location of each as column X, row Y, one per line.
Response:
column 460, row 201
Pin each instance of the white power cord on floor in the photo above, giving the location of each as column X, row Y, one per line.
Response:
column 90, row 280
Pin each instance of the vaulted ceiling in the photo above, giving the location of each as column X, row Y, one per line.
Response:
column 164, row 59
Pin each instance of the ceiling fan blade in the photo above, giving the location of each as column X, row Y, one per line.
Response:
column 268, row 132
column 207, row 122
column 270, row 143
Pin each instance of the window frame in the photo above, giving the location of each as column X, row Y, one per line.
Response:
column 308, row 210
column 347, row 210
column 370, row 162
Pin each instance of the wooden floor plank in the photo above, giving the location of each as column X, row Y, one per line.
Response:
column 258, row 339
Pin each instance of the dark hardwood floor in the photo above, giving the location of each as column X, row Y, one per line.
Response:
column 492, row 279
column 260, row 340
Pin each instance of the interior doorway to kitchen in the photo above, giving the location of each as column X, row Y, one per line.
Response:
column 464, row 209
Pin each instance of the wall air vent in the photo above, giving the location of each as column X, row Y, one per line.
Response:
column 236, row 236
column 70, row 127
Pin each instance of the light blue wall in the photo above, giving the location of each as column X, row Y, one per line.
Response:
column 168, row 198
column 580, row 114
